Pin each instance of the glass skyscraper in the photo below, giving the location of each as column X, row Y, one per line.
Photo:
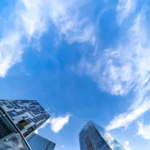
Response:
column 10, row 136
column 94, row 137
column 37, row 142
column 18, row 120
column 27, row 115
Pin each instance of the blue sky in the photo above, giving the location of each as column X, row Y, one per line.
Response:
column 82, row 60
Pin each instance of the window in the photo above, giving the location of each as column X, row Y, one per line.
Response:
column 88, row 143
column 21, row 124
column 13, row 113
column 6, row 127
column 4, row 130
column 9, row 107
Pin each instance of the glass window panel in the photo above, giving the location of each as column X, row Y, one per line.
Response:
column 13, row 142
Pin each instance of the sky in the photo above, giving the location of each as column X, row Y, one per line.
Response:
column 81, row 60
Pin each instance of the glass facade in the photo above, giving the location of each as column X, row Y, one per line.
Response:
column 13, row 142
column 37, row 142
column 10, row 137
column 18, row 120
column 94, row 137
column 27, row 115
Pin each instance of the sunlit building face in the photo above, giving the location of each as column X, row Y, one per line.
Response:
column 94, row 137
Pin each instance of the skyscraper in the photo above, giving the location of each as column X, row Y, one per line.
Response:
column 27, row 115
column 37, row 142
column 10, row 136
column 94, row 137
column 18, row 120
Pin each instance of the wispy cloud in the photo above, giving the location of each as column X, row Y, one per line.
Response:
column 144, row 130
column 67, row 18
column 56, row 123
column 126, row 118
column 137, row 53
column 125, row 8
column 62, row 146
column 21, row 25
column 123, row 69
column 127, row 145
column 31, row 19
column 10, row 52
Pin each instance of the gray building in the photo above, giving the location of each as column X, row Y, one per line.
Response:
column 94, row 137
column 27, row 115
column 37, row 142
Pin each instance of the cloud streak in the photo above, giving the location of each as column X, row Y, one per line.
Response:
column 125, row 8
column 137, row 55
column 126, row 118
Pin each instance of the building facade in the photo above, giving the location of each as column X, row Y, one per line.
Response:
column 27, row 115
column 36, row 142
column 10, row 136
column 94, row 137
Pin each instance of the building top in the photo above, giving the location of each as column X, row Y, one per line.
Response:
column 37, row 142
column 94, row 135
column 27, row 115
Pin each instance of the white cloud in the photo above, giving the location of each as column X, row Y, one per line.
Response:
column 137, row 54
column 56, row 123
column 31, row 19
column 62, row 146
column 144, row 130
column 21, row 24
column 123, row 69
column 125, row 8
column 10, row 52
column 127, row 145
column 119, row 70
column 126, row 118
column 33, row 23
column 59, row 122
column 110, row 73
column 67, row 18
column 36, row 131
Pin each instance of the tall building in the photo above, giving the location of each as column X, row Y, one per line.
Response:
column 10, row 136
column 27, row 115
column 94, row 137
column 18, row 120
column 37, row 142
